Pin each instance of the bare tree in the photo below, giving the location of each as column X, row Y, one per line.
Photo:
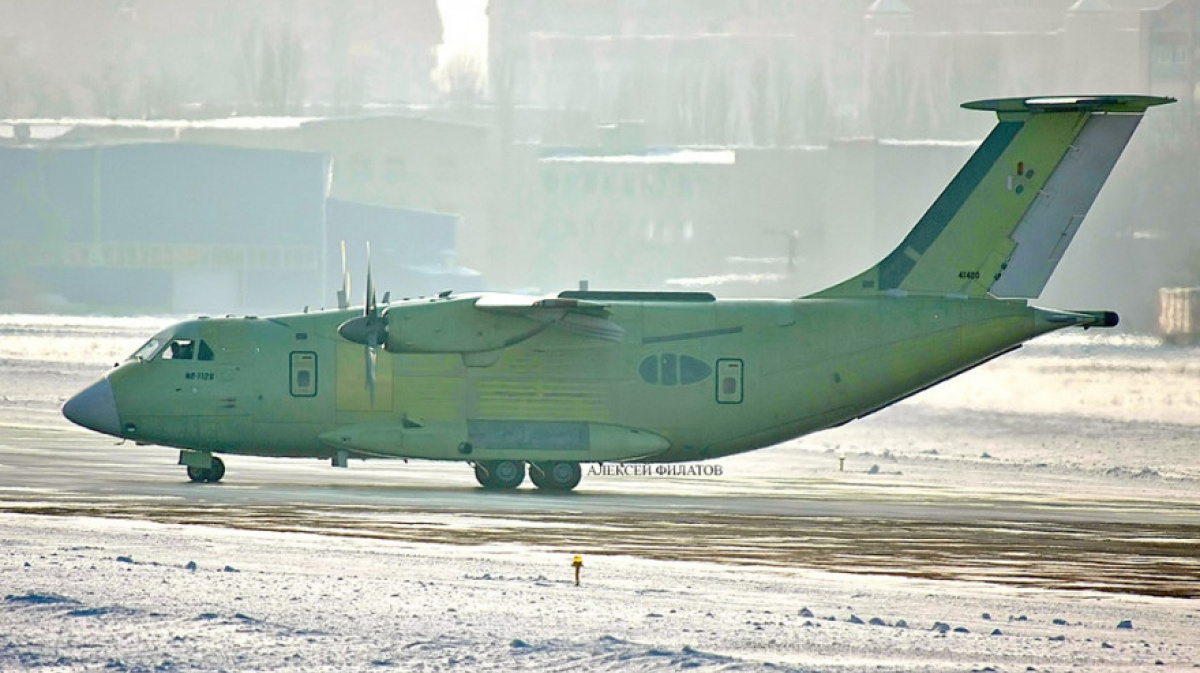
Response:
column 349, row 91
column 110, row 90
column 760, row 113
column 271, row 71
column 718, row 116
column 786, row 109
column 9, row 86
column 681, row 105
column 502, row 79
column 644, row 93
column 463, row 80
column 816, row 109
column 162, row 95
column 636, row 94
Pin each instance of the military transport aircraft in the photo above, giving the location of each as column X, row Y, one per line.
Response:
column 503, row 382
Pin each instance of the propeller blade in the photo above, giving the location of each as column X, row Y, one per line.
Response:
column 369, row 307
column 370, row 355
column 343, row 294
column 369, row 329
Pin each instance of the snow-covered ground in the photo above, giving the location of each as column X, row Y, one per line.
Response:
column 1071, row 463
column 119, row 595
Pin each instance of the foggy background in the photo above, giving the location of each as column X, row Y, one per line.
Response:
column 210, row 157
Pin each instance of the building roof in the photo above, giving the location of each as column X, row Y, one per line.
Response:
column 889, row 7
column 1091, row 6
column 672, row 156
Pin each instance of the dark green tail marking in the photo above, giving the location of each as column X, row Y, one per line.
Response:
column 896, row 265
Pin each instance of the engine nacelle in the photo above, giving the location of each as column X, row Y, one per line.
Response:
column 453, row 326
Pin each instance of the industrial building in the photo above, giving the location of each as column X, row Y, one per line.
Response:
column 112, row 217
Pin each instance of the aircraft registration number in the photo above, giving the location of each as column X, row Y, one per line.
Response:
column 199, row 376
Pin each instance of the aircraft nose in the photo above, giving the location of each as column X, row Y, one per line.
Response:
column 95, row 408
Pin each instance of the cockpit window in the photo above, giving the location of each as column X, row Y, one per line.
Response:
column 146, row 351
column 180, row 349
column 176, row 349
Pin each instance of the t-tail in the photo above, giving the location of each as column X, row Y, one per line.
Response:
column 1001, row 226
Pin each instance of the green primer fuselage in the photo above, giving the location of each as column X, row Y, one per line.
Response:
column 796, row 367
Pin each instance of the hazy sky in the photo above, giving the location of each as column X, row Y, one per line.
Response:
column 464, row 23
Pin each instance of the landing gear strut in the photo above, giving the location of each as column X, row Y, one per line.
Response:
column 559, row 476
column 500, row 475
column 211, row 474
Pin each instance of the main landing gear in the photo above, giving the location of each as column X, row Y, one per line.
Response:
column 211, row 474
column 501, row 475
column 506, row 475
column 555, row 475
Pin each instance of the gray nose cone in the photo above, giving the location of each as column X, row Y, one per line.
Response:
column 95, row 409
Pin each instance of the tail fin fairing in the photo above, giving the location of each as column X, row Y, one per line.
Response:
column 1002, row 224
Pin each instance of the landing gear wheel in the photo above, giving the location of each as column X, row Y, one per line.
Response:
column 211, row 474
column 559, row 476
column 501, row 475
column 217, row 471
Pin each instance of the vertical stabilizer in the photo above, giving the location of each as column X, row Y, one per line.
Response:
column 1002, row 225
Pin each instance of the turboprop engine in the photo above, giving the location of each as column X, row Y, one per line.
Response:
column 439, row 325
column 476, row 326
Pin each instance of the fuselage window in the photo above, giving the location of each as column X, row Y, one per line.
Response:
column 649, row 369
column 670, row 372
column 670, row 369
column 206, row 353
column 180, row 349
column 692, row 370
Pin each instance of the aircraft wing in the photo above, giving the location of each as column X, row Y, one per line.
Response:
column 576, row 316
column 480, row 326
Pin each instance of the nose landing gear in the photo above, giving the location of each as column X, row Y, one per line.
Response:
column 211, row 474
